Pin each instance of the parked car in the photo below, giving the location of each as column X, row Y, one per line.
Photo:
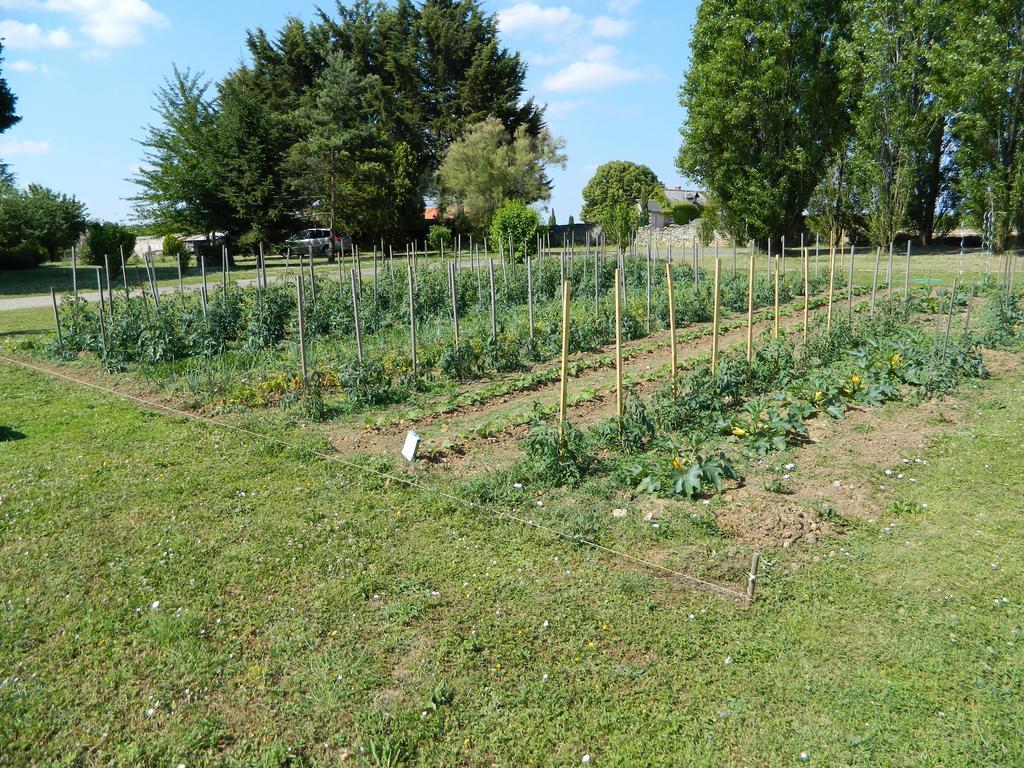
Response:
column 322, row 241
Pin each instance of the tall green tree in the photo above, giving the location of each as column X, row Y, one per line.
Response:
column 8, row 116
column 468, row 76
column 982, row 76
column 766, row 106
column 180, row 190
column 487, row 167
column 899, row 123
column 338, row 164
column 618, row 183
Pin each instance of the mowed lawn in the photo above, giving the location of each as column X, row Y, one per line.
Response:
column 175, row 593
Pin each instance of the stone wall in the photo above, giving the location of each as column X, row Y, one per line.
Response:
column 680, row 237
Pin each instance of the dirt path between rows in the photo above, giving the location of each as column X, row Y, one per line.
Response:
column 492, row 428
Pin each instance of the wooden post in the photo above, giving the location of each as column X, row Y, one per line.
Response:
column 906, row 277
column 529, row 290
column 750, row 309
column 563, row 392
column 412, row 316
column 874, row 280
column 949, row 320
column 355, row 316
column 672, row 330
column 714, row 317
column 103, row 324
column 755, row 566
column 775, row 326
column 181, row 284
column 110, row 289
column 648, row 282
column 831, row 286
column 455, row 303
column 849, row 286
column 817, row 245
column 124, row 275
column 888, row 273
column 494, row 318
column 74, row 270
column 302, row 329
column 56, row 320
column 618, row 349
column 807, row 293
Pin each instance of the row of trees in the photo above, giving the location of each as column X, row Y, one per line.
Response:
column 346, row 122
column 874, row 116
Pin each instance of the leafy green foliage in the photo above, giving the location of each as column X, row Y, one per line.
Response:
column 487, row 167
column 439, row 238
column 105, row 238
column 558, row 459
column 518, row 224
column 37, row 224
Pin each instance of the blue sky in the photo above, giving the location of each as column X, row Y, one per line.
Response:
column 85, row 71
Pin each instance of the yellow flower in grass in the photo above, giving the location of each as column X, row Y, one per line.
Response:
column 856, row 380
column 739, row 432
column 677, row 463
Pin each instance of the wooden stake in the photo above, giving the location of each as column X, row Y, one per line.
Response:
column 807, row 293
column 103, row 324
column 494, row 318
column 949, row 320
column 563, row 392
column 455, row 302
column 110, row 289
column 831, row 287
column 714, row 317
column 672, row 330
column 874, row 280
column 618, row 349
column 56, row 320
column 355, row 317
column 849, row 285
column 750, row 310
column 124, row 275
column 755, row 566
column 775, row 331
column 888, row 273
column 529, row 290
column 906, row 278
column 302, row 330
column 412, row 317
column 74, row 270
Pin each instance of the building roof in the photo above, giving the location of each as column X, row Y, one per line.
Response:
column 680, row 195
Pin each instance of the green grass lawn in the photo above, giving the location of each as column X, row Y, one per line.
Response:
column 172, row 592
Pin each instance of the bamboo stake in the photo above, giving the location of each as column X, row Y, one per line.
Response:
column 110, row 289
column 563, row 392
column 103, row 324
column 807, row 293
column 302, row 329
column 672, row 330
column 618, row 350
column 949, row 320
column 874, row 280
column 750, row 310
column 849, row 285
column 775, row 326
column 888, row 273
column 74, row 270
column 124, row 275
column 714, row 317
column 648, row 283
column 455, row 302
column 355, row 316
column 529, row 291
column 831, row 287
column 494, row 319
column 412, row 317
column 56, row 320
column 906, row 278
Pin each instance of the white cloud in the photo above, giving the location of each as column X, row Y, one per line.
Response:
column 564, row 107
column 531, row 17
column 17, row 34
column 606, row 26
column 105, row 23
column 24, row 65
column 9, row 148
column 597, row 70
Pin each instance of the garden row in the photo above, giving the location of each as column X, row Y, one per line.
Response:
column 358, row 330
column 687, row 443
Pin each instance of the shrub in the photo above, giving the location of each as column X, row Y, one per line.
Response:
column 683, row 213
column 438, row 236
column 516, row 221
column 105, row 239
column 21, row 257
column 175, row 249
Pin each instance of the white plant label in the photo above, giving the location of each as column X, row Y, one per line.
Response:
column 412, row 444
